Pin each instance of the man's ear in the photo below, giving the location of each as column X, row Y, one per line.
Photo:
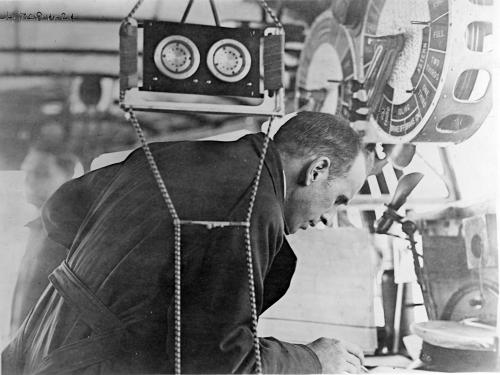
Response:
column 318, row 169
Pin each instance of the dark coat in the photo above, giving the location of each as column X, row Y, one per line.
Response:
column 110, row 306
column 40, row 258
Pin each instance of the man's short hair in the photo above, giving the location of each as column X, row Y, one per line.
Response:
column 65, row 160
column 320, row 134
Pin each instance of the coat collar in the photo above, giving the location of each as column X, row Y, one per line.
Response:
column 274, row 166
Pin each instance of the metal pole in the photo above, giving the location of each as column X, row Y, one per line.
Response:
column 397, row 317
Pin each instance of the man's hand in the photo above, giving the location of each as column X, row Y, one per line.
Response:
column 337, row 356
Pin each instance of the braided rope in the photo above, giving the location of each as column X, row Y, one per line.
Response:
column 130, row 115
column 249, row 255
column 177, row 297
column 134, row 9
column 270, row 13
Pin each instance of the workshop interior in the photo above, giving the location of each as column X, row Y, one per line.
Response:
column 409, row 269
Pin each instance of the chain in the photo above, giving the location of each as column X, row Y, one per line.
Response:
column 134, row 9
column 177, row 297
column 249, row 255
column 270, row 12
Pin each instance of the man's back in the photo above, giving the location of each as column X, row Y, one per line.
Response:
column 120, row 236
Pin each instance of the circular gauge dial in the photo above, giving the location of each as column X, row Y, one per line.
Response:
column 177, row 57
column 416, row 78
column 327, row 60
column 473, row 301
column 229, row 60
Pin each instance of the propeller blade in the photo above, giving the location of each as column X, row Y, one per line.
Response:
column 406, row 184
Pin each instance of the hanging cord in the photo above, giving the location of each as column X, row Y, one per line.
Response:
column 130, row 115
column 212, row 6
column 270, row 13
column 214, row 12
column 249, row 255
column 186, row 11
column 134, row 9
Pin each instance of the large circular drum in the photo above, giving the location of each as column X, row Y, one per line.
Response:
column 327, row 60
column 440, row 87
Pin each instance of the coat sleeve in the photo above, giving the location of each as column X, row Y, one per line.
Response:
column 279, row 276
column 217, row 329
column 65, row 210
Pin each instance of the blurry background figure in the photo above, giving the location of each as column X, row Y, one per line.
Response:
column 47, row 166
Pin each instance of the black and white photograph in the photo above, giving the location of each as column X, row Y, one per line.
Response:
column 249, row 186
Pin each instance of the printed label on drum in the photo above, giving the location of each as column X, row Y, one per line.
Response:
column 384, row 114
column 401, row 111
column 384, row 110
column 434, row 67
column 439, row 34
column 422, row 58
column 399, row 128
column 424, row 95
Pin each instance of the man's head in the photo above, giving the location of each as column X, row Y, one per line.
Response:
column 47, row 166
column 324, row 164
